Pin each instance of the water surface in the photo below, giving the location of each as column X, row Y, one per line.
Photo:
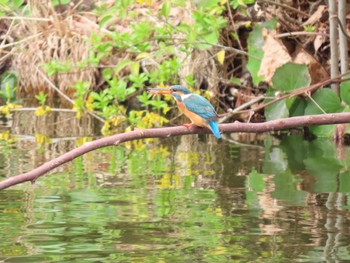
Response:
column 185, row 199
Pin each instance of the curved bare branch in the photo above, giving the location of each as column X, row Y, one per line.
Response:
column 281, row 124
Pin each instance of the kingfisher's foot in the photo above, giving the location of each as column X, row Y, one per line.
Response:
column 188, row 125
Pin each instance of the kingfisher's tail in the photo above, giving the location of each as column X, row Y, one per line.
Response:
column 214, row 126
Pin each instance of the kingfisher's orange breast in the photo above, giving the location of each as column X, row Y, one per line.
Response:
column 195, row 118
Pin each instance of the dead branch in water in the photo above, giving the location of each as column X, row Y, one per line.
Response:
column 281, row 124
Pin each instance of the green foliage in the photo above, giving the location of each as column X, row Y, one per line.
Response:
column 60, row 2
column 166, row 8
column 323, row 163
column 8, row 6
column 41, row 98
column 241, row 3
column 206, row 29
column 277, row 110
column 291, row 76
column 345, row 92
column 8, row 86
column 82, row 91
column 297, row 107
column 324, row 100
column 144, row 41
column 41, row 111
column 54, row 67
column 309, row 28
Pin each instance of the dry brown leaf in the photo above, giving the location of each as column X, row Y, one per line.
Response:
column 317, row 72
column 275, row 55
column 315, row 16
column 320, row 39
column 181, row 14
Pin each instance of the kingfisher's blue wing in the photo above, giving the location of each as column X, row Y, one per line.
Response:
column 200, row 106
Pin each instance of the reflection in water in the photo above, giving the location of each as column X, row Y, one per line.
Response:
column 185, row 199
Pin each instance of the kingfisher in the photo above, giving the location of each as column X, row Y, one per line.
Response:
column 197, row 108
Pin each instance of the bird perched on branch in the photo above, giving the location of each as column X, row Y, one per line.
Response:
column 197, row 108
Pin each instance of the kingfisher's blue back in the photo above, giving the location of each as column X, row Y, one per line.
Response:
column 202, row 107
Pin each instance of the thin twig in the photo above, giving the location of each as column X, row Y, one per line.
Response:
column 235, row 50
column 53, row 85
column 21, row 41
column 300, row 33
column 7, row 33
column 317, row 105
column 233, row 24
column 302, row 91
column 26, row 18
column 285, row 7
column 241, row 107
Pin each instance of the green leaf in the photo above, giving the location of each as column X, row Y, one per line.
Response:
column 291, row 76
column 326, row 131
column 121, row 65
column 325, row 171
column 105, row 19
column 135, row 68
column 166, row 8
column 207, row 4
column 107, row 73
column 286, row 189
column 277, row 110
column 276, row 162
column 323, row 164
column 329, row 101
column 326, row 99
column 237, row 3
column 256, row 181
column 297, row 108
column 18, row 3
column 60, row 2
column 295, row 148
column 345, row 92
column 236, row 81
column 344, row 182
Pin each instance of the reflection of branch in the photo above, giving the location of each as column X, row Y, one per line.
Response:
column 268, row 126
column 52, row 109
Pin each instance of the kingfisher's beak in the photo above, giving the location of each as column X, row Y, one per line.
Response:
column 159, row 91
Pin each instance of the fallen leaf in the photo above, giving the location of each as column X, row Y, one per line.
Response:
column 316, row 70
column 315, row 17
column 275, row 55
column 320, row 39
column 221, row 56
column 143, row 55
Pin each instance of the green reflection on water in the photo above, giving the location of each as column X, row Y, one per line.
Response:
column 183, row 200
